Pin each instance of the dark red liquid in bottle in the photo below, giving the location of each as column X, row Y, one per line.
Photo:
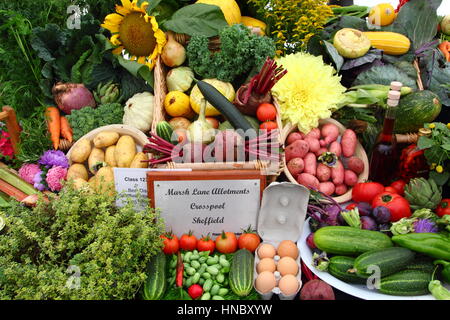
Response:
column 384, row 159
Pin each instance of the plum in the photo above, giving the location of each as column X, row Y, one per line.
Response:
column 368, row 223
column 364, row 208
column 381, row 214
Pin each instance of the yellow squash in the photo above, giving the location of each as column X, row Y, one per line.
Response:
column 230, row 9
column 382, row 14
column 254, row 23
column 197, row 97
column 392, row 43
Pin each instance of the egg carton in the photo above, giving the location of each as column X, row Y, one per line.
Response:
column 276, row 290
column 281, row 217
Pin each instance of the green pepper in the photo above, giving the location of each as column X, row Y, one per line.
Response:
column 446, row 269
column 435, row 245
column 438, row 290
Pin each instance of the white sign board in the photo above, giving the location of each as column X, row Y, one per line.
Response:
column 208, row 206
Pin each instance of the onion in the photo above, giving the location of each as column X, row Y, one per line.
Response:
column 72, row 96
column 317, row 290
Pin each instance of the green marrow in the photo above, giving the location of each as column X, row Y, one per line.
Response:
column 339, row 266
column 406, row 283
column 241, row 273
column 155, row 285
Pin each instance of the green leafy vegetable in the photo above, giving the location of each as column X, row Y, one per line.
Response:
column 384, row 75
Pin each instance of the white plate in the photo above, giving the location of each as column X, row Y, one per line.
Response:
column 356, row 290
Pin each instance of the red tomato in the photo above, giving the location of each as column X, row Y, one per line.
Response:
column 351, row 206
column 443, row 207
column 188, row 241
column 206, row 244
column 226, row 242
column 266, row 112
column 399, row 185
column 397, row 205
column 171, row 244
column 268, row 125
column 390, row 190
column 249, row 240
column 366, row 191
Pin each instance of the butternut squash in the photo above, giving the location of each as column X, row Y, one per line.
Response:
column 390, row 42
column 230, row 9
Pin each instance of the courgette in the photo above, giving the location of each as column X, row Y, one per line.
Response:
column 241, row 273
column 389, row 260
column 350, row 241
column 155, row 285
column 406, row 283
column 226, row 108
column 339, row 266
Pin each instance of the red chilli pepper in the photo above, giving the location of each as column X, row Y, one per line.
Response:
column 180, row 269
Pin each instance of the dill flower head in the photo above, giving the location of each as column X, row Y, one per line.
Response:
column 308, row 91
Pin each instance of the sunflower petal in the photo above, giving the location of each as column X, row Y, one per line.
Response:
column 122, row 10
column 118, row 50
column 141, row 60
column 127, row 4
column 115, row 40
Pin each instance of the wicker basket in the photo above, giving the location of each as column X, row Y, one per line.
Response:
column 160, row 88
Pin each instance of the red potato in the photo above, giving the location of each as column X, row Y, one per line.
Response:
column 341, row 189
column 296, row 166
column 294, row 136
column 308, row 180
column 310, row 164
column 313, row 143
column 327, row 188
column 298, row 149
column 337, row 173
column 350, row 178
column 348, row 143
column 323, row 172
column 355, row 164
column 330, row 133
column 335, row 147
column 314, row 133
column 321, row 151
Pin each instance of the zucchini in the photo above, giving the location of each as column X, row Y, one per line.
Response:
column 350, row 241
column 389, row 260
column 226, row 108
column 155, row 285
column 406, row 283
column 241, row 273
column 339, row 266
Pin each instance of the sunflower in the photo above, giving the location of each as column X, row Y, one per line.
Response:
column 135, row 31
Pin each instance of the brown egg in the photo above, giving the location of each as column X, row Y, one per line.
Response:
column 266, row 250
column 288, row 248
column 288, row 285
column 265, row 282
column 287, row 265
column 266, row 264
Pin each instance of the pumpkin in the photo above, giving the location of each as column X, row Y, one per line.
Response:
column 138, row 111
column 230, row 9
column 197, row 98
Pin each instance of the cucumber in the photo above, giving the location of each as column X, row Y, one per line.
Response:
column 155, row 285
column 226, row 108
column 349, row 241
column 406, row 283
column 421, row 264
column 241, row 273
column 164, row 130
column 339, row 266
column 389, row 260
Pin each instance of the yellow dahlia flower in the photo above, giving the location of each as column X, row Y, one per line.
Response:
column 308, row 91
column 134, row 31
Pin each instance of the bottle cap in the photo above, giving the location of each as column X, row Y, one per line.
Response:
column 424, row 132
column 394, row 95
column 395, row 85
column 392, row 103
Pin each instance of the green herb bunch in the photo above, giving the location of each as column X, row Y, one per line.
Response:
column 293, row 22
column 87, row 119
column 77, row 246
column 240, row 52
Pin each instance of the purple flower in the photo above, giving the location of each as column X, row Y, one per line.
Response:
column 38, row 181
column 425, row 226
column 54, row 158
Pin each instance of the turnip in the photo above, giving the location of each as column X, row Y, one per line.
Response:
column 72, row 96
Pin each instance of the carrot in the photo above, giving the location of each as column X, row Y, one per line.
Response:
column 54, row 125
column 445, row 49
column 66, row 130
column 12, row 191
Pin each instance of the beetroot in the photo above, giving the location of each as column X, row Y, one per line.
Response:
column 72, row 96
column 310, row 241
column 317, row 290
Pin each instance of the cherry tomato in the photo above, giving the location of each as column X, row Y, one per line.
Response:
column 366, row 191
column 249, row 240
column 195, row 291
column 268, row 125
column 399, row 185
column 443, row 207
column 391, row 190
column 226, row 242
column 397, row 205
column 171, row 244
column 266, row 112
column 206, row 244
column 188, row 242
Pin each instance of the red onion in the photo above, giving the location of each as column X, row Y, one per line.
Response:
column 72, row 96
